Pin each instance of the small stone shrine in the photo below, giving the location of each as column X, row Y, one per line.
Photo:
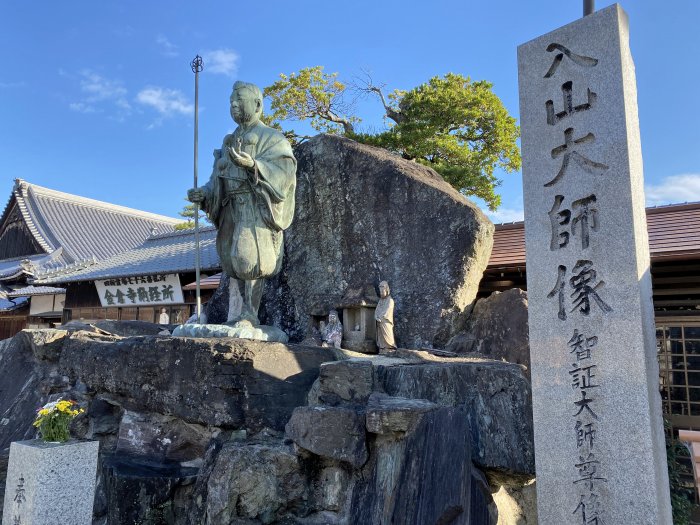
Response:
column 599, row 441
column 357, row 311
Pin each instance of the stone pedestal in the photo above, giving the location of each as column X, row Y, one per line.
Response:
column 50, row 483
column 599, row 443
column 256, row 333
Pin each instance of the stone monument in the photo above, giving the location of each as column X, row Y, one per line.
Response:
column 50, row 483
column 599, row 442
column 250, row 200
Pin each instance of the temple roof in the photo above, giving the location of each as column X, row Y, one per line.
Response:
column 82, row 228
column 172, row 252
column 28, row 291
column 674, row 233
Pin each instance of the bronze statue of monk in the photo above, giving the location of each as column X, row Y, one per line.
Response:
column 250, row 198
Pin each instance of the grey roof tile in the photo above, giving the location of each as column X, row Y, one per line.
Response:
column 7, row 306
column 35, row 290
column 84, row 228
column 167, row 253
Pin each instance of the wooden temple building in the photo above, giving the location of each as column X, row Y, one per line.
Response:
column 674, row 244
column 43, row 230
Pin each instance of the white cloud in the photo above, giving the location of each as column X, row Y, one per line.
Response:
column 674, row 189
column 165, row 101
column 82, row 107
column 504, row 215
column 96, row 90
column 99, row 88
column 167, row 47
column 221, row 61
column 8, row 85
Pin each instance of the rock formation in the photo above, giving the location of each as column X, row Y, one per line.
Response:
column 212, row 432
column 364, row 215
column 497, row 328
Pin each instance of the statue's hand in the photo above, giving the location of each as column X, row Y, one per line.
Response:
column 241, row 158
column 195, row 195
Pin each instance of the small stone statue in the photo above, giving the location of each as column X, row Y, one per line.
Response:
column 331, row 333
column 384, row 315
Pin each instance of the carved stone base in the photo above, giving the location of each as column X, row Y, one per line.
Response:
column 241, row 331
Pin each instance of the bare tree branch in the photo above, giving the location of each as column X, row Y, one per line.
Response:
column 367, row 85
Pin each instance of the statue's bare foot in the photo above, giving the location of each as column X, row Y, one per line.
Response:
column 246, row 320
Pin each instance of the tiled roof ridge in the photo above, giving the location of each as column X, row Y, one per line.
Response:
column 34, row 290
column 93, row 203
column 658, row 208
column 22, row 203
column 179, row 233
column 68, row 268
column 25, row 257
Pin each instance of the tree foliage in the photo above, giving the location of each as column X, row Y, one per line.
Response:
column 457, row 126
column 311, row 95
column 188, row 213
column 681, row 497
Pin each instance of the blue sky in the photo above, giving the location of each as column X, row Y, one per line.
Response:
column 97, row 97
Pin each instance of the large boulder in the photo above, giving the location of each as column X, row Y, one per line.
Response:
column 138, row 491
column 332, row 432
column 423, row 476
column 256, row 481
column 498, row 402
column 364, row 215
column 191, row 430
column 497, row 328
column 227, row 383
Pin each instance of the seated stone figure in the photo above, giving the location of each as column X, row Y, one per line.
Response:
column 332, row 333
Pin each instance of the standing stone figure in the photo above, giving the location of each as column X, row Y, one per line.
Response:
column 384, row 315
column 332, row 333
column 250, row 199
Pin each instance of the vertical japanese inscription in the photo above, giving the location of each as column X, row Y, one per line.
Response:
column 590, row 311
column 19, row 499
column 578, row 290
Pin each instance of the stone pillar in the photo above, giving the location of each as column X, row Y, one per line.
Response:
column 599, row 442
column 50, row 483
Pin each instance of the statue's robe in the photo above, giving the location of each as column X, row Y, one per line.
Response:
column 250, row 217
column 384, row 315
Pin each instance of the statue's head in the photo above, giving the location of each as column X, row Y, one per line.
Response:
column 384, row 290
column 246, row 103
column 332, row 317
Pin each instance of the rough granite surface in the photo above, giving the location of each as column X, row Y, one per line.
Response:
column 589, row 277
column 364, row 215
column 51, row 483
